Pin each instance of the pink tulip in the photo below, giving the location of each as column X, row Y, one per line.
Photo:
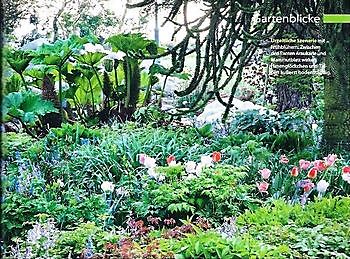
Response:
column 284, row 159
column 312, row 173
column 346, row 170
column 170, row 159
column 262, row 187
column 320, row 165
column 265, row 173
column 142, row 158
column 330, row 159
column 304, row 164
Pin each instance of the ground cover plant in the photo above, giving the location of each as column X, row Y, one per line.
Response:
column 121, row 193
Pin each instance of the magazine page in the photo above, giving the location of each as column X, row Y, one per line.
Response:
column 175, row 129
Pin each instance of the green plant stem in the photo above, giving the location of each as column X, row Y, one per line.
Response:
column 128, row 82
column 148, row 91
column 92, row 96
column 98, row 78
column 60, row 97
column 24, row 81
column 162, row 92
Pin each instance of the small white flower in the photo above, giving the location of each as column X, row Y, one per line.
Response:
column 314, row 126
column 322, row 186
column 206, row 161
column 60, row 183
column 190, row 167
column 107, row 186
column 161, row 177
column 149, row 162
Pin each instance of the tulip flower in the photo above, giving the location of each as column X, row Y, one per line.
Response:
column 190, row 167
column 284, row 159
column 320, row 165
column 265, row 173
column 312, row 173
column 346, row 174
column 142, row 158
column 330, row 159
column 307, row 185
column 171, row 159
column 262, row 187
column 295, row 171
column 304, row 164
column 216, row 156
column 346, row 170
column 322, row 186
column 206, row 161
column 150, row 162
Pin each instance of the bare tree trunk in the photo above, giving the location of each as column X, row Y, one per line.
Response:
column 122, row 19
column 55, row 21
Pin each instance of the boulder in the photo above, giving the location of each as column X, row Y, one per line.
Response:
column 214, row 111
column 35, row 44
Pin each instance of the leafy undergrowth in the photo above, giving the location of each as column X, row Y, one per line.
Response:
column 320, row 229
column 133, row 192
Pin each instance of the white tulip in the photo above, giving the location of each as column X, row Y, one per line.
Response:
column 206, row 161
column 190, row 167
column 346, row 178
column 107, row 186
column 150, row 162
column 322, row 186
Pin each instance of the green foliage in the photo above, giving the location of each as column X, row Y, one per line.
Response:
column 67, row 207
column 302, row 83
column 90, row 58
column 132, row 44
column 214, row 194
column 26, row 106
column 57, row 54
column 319, row 229
column 12, row 84
column 74, row 241
column 150, row 115
column 18, row 59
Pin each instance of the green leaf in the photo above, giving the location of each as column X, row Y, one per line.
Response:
column 30, row 118
column 132, row 43
column 90, row 58
column 18, row 59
